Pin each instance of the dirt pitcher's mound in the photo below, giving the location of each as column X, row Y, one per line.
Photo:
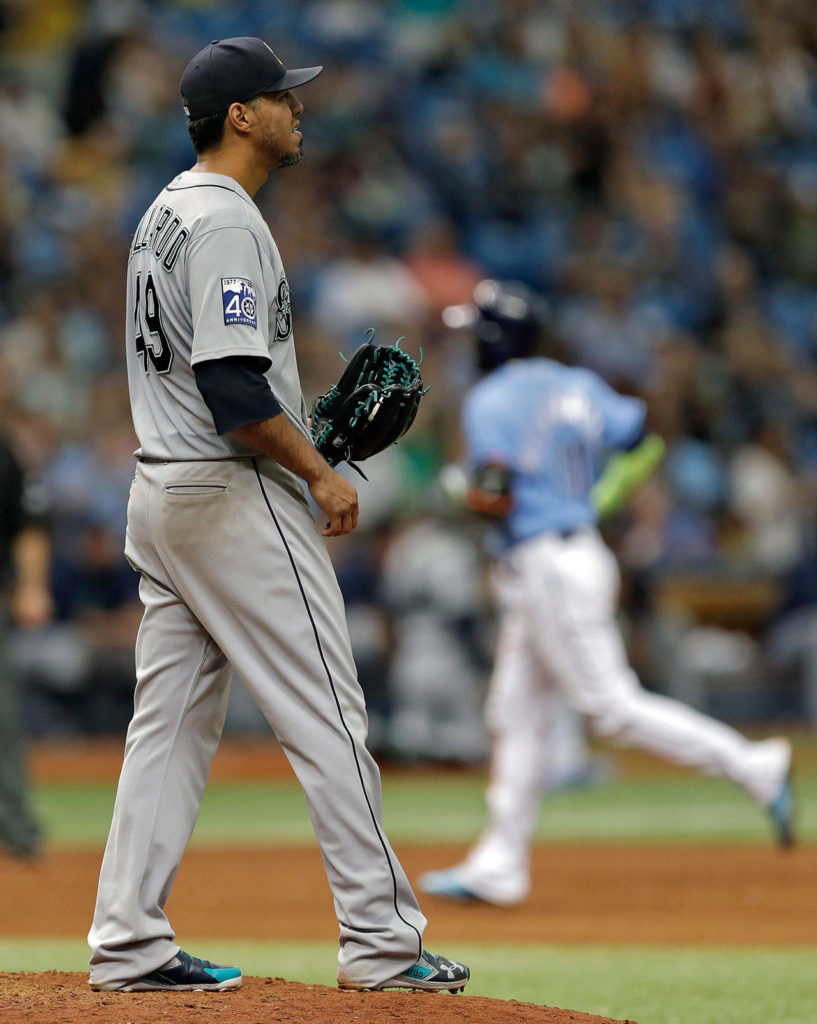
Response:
column 59, row 998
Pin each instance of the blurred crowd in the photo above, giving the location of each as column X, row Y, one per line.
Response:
column 650, row 166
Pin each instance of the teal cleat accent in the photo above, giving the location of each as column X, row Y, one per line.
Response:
column 781, row 811
column 185, row 973
column 418, row 972
column 430, row 974
column 447, row 885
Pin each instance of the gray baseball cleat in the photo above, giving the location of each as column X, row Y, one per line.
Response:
column 430, row 974
column 185, row 973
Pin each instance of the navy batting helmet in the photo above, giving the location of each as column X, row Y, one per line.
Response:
column 506, row 319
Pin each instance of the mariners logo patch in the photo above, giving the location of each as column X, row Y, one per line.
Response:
column 239, row 301
column 283, row 317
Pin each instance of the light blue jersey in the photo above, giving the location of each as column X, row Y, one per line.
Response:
column 552, row 427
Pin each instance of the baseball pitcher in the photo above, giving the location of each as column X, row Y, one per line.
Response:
column 234, row 570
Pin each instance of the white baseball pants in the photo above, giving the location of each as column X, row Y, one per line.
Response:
column 559, row 647
column 235, row 572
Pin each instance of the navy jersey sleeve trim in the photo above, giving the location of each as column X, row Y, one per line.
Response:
column 236, row 391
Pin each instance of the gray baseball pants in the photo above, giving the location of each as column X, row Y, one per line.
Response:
column 235, row 572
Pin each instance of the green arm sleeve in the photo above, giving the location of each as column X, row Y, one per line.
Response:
column 624, row 474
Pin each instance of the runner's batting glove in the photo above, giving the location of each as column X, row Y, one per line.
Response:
column 624, row 474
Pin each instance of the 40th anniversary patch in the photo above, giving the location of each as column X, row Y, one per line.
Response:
column 239, row 300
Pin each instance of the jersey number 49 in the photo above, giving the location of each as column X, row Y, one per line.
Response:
column 156, row 352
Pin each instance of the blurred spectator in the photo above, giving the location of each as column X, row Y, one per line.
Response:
column 765, row 496
column 431, row 585
column 613, row 333
column 446, row 277
column 80, row 670
column 364, row 287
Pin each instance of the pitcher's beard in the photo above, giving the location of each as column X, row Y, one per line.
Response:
column 290, row 159
column 275, row 156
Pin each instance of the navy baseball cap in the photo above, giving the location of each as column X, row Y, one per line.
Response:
column 233, row 71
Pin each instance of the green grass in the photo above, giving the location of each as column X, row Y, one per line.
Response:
column 652, row 986
column 444, row 807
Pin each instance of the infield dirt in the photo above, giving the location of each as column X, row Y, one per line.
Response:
column 65, row 999
column 690, row 895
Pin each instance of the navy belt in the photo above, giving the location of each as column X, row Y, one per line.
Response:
column 165, row 462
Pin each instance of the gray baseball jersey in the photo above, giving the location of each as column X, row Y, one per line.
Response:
column 205, row 281
column 234, row 573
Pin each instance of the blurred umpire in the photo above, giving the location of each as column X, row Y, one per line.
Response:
column 25, row 551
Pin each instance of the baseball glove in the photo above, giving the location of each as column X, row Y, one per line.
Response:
column 371, row 406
